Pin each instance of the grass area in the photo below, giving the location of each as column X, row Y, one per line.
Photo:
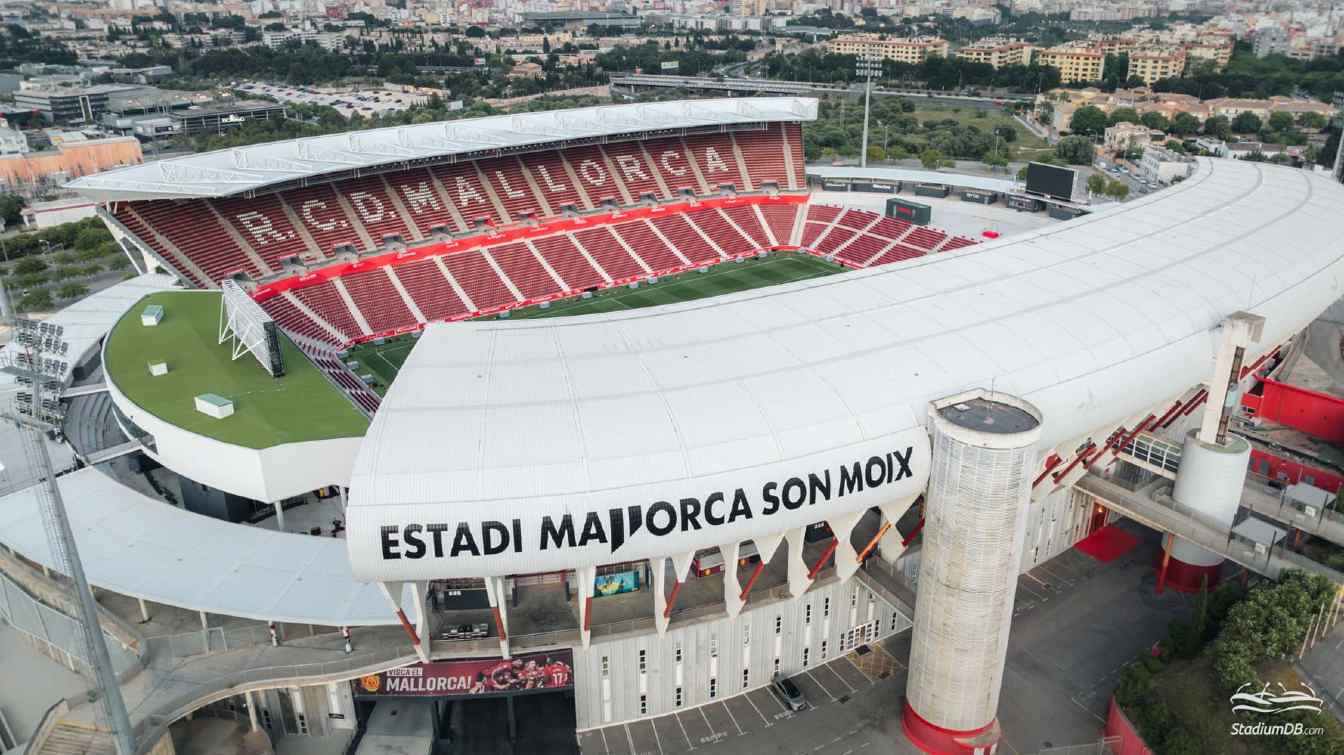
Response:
column 300, row 406
column 385, row 359
column 725, row 278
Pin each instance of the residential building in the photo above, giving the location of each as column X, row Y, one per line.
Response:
column 1270, row 41
column 1124, row 136
column 998, row 53
column 1162, row 165
column 900, row 49
column 1075, row 62
column 1153, row 65
column 12, row 140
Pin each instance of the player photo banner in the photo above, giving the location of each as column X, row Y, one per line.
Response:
column 534, row 672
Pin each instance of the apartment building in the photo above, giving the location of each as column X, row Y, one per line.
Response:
column 1075, row 62
column 998, row 53
column 1151, row 65
column 900, row 49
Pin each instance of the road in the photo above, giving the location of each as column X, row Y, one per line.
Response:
column 1077, row 623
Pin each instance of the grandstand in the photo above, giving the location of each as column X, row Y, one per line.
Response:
column 449, row 222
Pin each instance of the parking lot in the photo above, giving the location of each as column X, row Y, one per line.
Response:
column 837, row 682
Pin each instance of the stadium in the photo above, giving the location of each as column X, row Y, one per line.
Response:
column 625, row 411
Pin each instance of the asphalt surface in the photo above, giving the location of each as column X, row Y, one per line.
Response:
column 1077, row 623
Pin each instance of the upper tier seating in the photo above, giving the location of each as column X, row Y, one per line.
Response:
column 131, row 219
column 763, row 152
column 253, row 236
column 371, row 204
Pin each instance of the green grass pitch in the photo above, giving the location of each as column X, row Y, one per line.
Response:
column 299, row 406
column 725, row 278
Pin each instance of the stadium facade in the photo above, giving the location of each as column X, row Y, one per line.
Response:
column 754, row 467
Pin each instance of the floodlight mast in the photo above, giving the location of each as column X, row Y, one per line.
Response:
column 27, row 356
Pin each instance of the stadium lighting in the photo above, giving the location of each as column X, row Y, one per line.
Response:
column 36, row 357
column 867, row 66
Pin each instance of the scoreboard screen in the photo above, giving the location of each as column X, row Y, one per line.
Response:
column 1051, row 181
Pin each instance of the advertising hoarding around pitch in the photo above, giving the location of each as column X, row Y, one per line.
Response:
column 532, row 672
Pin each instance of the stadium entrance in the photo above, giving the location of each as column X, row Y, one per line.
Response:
column 478, row 706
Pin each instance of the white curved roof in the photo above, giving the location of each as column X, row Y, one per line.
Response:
column 233, row 171
column 1090, row 320
column 142, row 547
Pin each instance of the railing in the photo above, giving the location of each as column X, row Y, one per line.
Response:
column 1103, row 746
column 55, row 630
column 217, row 687
column 166, row 649
column 45, row 727
column 1160, row 454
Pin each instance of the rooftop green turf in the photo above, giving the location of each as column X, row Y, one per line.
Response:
column 300, row 406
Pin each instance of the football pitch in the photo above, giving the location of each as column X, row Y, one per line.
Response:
column 385, row 359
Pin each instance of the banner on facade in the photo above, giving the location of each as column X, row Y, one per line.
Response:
column 534, row 672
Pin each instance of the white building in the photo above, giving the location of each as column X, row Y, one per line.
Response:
column 1162, row 165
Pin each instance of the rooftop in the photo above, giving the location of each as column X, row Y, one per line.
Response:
column 241, row 169
column 300, row 406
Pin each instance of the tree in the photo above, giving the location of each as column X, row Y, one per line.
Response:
column 1280, row 121
column 1156, row 120
column 11, row 209
column 72, row 291
column 1183, row 124
column 1088, row 120
column 475, row 32
column 1311, row 120
column 1074, row 150
column 930, row 158
column 1246, row 122
column 876, row 153
column 36, row 301
column 1218, row 126
column 28, row 266
column 996, row 159
column 1117, row 189
column 1096, row 184
column 1123, row 115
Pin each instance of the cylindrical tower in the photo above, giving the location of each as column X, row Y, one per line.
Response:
column 974, row 524
column 1208, row 483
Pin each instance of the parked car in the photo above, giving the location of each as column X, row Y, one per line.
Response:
column 789, row 692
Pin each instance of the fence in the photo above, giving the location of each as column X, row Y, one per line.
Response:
column 1103, row 746
column 57, row 632
column 167, row 648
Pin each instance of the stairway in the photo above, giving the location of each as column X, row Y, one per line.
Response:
column 76, row 739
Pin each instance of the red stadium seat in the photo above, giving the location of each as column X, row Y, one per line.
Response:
column 378, row 300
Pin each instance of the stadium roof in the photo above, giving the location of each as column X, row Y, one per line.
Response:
column 233, row 171
column 142, row 547
column 1092, row 321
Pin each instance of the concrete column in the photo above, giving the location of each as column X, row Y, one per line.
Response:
column 279, row 516
column 495, row 590
column 340, row 495
column 660, row 619
column 300, row 710
column 144, row 611
column 732, row 590
column 846, row 558
column 975, row 521
column 251, row 710
column 892, row 545
column 420, row 594
column 798, row 568
column 585, row 576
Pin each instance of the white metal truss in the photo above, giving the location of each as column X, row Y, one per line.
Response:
column 242, row 322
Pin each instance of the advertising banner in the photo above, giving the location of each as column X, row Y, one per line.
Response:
column 533, row 672
column 616, row 583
